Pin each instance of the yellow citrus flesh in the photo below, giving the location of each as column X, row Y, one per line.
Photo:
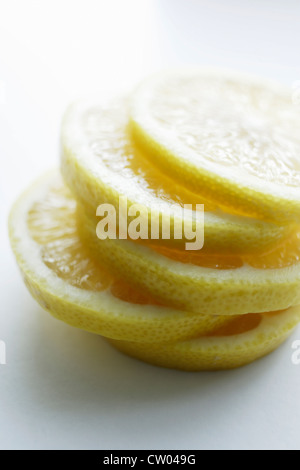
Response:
column 63, row 277
column 234, row 138
column 211, row 284
column 248, row 338
column 100, row 163
column 284, row 255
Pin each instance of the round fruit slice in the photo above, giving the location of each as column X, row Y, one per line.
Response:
column 214, row 285
column 63, row 277
column 243, row 341
column 230, row 136
column 100, row 164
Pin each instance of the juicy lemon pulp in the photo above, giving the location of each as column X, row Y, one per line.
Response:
column 113, row 166
column 287, row 254
column 237, row 133
column 235, row 137
column 213, row 139
column 65, row 254
column 52, row 222
column 62, row 275
column 109, row 138
column 284, row 255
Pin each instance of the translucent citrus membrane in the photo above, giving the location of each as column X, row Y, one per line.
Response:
column 217, row 131
column 284, row 255
column 156, row 181
column 110, row 138
column 231, row 123
column 53, row 224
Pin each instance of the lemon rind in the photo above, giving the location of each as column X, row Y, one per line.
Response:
column 97, row 312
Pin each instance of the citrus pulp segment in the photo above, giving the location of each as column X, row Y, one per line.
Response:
column 234, row 138
column 234, row 288
column 100, row 164
column 63, row 277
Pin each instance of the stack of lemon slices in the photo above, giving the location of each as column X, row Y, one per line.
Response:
column 198, row 137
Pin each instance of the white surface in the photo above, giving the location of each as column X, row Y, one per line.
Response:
column 63, row 388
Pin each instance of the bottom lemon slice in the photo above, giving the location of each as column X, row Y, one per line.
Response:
column 241, row 342
column 62, row 276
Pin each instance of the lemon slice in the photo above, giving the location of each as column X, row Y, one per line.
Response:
column 245, row 340
column 100, row 164
column 63, row 277
column 232, row 137
column 211, row 284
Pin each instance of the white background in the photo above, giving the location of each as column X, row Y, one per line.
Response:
column 64, row 388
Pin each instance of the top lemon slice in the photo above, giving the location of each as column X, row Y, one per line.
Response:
column 100, row 164
column 231, row 137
